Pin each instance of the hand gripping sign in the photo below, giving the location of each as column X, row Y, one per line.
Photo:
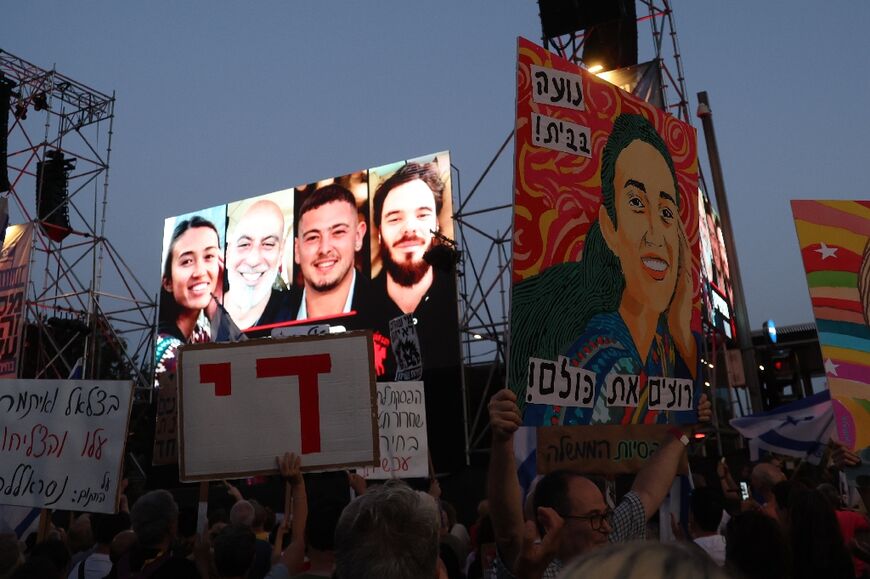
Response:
column 245, row 403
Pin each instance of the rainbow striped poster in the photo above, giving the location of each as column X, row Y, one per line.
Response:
column 833, row 237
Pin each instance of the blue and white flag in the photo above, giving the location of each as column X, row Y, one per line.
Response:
column 801, row 429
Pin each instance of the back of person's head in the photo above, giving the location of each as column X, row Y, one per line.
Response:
column 707, row 509
column 242, row 513
column 55, row 552
column 106, row 526
column 10, row 554
column 756, row 547
column 390, row 532
column 154, row 517
column 765, row 476
column 80, row 536
column 320, row 527
column 831, row 494
column 816, row 540
column 552, row 491
column 644, row 560
column 259, row 515
column 123, row 543
column 234, row 549
column 37, row 568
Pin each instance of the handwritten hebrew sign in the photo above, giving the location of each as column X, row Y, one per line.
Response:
column 402, row 429
column 62, row 443
column 245, row 403
column 604, row 450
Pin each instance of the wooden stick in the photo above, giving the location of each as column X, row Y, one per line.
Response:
column 44, row 525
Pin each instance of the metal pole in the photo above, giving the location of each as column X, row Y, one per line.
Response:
column 744, row 338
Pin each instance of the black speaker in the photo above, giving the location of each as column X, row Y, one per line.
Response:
column 6, row 87
column 613, row 43
column 52, row 201
column 560, row 17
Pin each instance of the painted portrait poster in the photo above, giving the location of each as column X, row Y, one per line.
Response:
column 606, row 308
column 834, row 238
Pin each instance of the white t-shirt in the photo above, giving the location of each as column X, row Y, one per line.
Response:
column 714, row 545
column 97, row 566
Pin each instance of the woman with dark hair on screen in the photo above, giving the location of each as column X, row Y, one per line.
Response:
column 190, row 277
column 626, row 306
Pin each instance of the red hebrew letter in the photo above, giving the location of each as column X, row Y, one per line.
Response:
column 306, row 368
column 217, row 374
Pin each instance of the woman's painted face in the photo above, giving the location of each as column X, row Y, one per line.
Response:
column 647, row 235
column 195, row 268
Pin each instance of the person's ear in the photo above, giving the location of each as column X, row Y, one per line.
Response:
column 360, row 235
column 608, row 231
column 167, row 284
column 296, row 250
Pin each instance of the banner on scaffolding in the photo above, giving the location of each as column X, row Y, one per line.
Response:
column 606, row 301
column 14, row 268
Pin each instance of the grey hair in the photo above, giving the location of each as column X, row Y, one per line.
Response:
column 242, row 513
column 153, row 516
column 390, row 532
column 643, row 559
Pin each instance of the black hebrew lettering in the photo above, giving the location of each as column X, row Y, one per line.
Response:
column 672, row 386
column 569, row 450
column 589, row 389
column 654, row 385
column 413, row 443
column 617, row 380
column 542, row 88
column 552, row 133
column 566, row 380
column 687, row 388
column 632, row 390
column 559, row 87
column 583, row 143
column 551, row 368
column 576, row 102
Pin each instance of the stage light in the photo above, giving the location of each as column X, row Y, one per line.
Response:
column 761, row 367
column 443, row 254
column 40, row 102
column 21, row 110
column 596, row 68
column 478, row 337
column 52, row 202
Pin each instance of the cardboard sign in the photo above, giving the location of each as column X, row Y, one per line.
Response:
column 243, row 404
column 62, row 443
column 402, row 427
column 604, row 450
column 406, row 348
column 166, row 427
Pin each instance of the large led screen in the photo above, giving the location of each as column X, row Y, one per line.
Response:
column 359, row 251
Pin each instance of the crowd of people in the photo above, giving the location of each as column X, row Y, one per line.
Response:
column 793, row 526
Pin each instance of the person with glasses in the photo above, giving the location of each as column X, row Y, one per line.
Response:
column 572, row 517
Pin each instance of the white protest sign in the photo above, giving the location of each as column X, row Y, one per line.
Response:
column 62, row 443
column 402, row 427
column 242, row 404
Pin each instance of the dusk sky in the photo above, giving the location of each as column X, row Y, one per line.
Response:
column 218, row 100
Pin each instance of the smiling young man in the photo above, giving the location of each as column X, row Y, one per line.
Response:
column 328, row 236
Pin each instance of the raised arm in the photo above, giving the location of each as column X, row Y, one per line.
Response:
column 296, row 506
column 503, row 486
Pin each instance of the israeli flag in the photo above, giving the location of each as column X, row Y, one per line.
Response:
column 801, row 429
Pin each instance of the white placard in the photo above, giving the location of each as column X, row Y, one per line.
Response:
column 560, row 384
column 243, row 404
column 559, row 135
column 557, row 88
column 62, row 443
column 670, row 393
column 402, row 432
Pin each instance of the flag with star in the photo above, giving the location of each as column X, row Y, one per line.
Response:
column 833, row 237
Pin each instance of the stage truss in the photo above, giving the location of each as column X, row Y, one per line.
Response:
column 82, row 301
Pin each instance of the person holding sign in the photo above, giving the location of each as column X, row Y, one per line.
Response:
column 623, row 313
column 570, row 511
column 190, row 278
